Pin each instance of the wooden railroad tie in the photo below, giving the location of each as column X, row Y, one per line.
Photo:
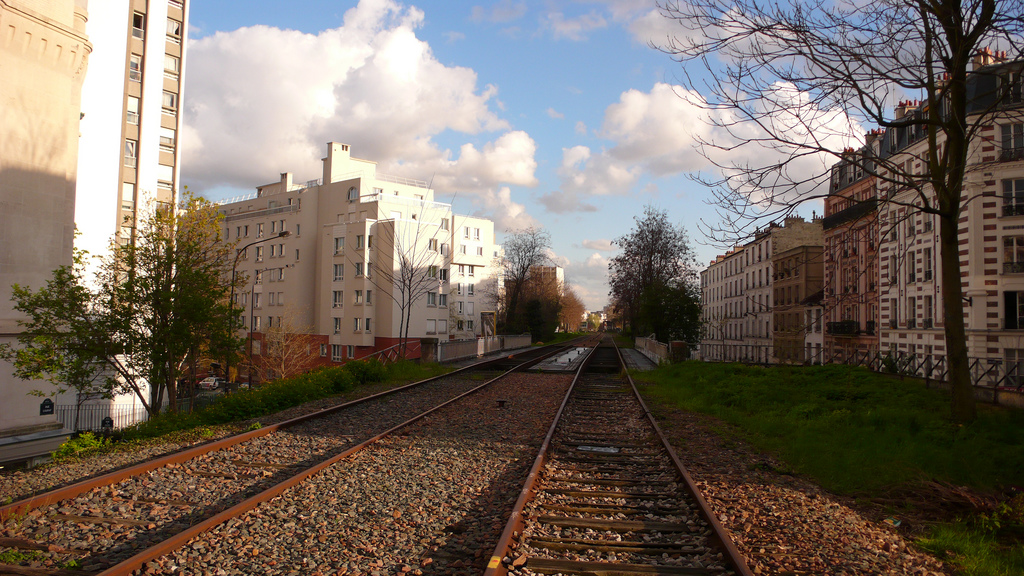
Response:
column 613, row 525
column 548, row 566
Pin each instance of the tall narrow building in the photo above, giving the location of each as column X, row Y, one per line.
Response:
column 44, row 54
column 129, row 158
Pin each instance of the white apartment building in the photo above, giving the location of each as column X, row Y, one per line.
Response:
column 128, row 160
column 991, row 236
column 342, row 256
column 724, row 305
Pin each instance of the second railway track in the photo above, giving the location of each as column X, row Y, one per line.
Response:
column 109, row 521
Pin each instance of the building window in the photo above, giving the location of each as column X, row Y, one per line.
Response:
column 172, row 65
column 1012, row 87
column 465, row 232
column 132, row 113
column 339, row 246
column 459, row 325
column 369, row 296
column 359, row 269
column 443, row 274
column 462, row 306
column 338, row 298
column 138, row 26
column 256, row 303
column 353, row 194
column 359, row 241
column 259, row 230
column 471, row 268
column 351, row 350
column 928, row 317
column 170, row 100
column 130, row 153
column 469, row 324
column 462, row 249
column 336, row 352
column 431, row 326
column 442, row 299
column 339, row 272
column 476, row 233
column 259, row 277
column 1013, row 142
column 444, row 249
column 458, row 288
column 359, row 297
column 442, row 326
column 927, row 262
column 431, row 271
column 337, row 325
column 479, row 250
column 1014, row 302
column 469, row 288
column 444, row 223
column 173, row 31
column 323, row 350
column 1013, row 197
column 431, row 298
column 355, row 324
column 469, row 308
column 167, row 136
column 432, row 244
column 368, row 325
column 1013, row 255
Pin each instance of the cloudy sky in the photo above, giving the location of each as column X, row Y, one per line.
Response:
column 556, row 114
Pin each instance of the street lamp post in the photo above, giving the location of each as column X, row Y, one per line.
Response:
column 231, row 297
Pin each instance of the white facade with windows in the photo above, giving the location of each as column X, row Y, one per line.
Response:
column 352, row 236
column 129, row 156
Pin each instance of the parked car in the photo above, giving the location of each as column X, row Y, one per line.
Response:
column 211, row 383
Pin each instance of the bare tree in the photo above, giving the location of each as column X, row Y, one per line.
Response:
column 522, row 251
column 410, row 261
column 799, row 81
column 287, row 350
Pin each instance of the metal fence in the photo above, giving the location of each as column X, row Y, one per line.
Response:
column 451, row 350
column 990, row 376
column 90, row 417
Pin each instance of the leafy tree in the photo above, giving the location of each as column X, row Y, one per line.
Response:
column 656, row 257
column 159, row 300
column 793, row 82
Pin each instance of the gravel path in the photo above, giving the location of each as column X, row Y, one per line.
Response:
column 111, row 523
column 786, row 525
column 430, row 501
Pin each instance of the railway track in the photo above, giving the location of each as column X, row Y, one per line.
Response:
column 118, row 522
column 608, row 496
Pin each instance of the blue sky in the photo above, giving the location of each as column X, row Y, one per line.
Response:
column 555, row 114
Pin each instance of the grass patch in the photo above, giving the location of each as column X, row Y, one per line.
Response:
column 858, row 432
column 253, row 403
column 851, row 429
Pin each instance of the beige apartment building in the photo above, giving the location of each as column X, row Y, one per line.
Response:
column 44, row 54
column 357, row 256
column 129, row 161
column 737, row 293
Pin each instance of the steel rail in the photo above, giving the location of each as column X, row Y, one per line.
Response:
column 136, row 562
column 736, row 558
column 516, row 522
column 74, row 490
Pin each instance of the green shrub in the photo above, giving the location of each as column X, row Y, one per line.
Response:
column 367, row 371
column 84, row 443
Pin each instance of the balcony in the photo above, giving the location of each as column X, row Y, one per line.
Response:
column 893, row 324
column 926, row 323
column 927, row 275
column 912, row 323
column 1011, row 154
column 869, row 328
column 1013, row 267
column 855, row 212
column 1013, row 209
column 843, row 328
column 911, row 278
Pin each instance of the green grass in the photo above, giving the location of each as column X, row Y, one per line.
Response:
column 854, row 431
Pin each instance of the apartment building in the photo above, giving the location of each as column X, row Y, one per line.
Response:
column 851, row 256
column 131, row 101
column 991, row 232
column 44, row 55
column 797, row 283
column 343, row 256
column 738, row 293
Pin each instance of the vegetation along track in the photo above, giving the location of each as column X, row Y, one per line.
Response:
column 607, row 494
column 117, row 522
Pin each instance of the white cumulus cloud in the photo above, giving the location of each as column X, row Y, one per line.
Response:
column 262, row 100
